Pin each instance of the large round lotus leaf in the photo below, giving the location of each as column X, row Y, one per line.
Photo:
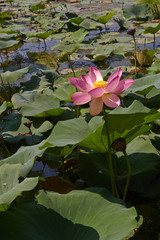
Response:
column 144, row 85
column 10, row 186
column 78, row 215
column 43, row 106
column 14, row 129
column 138, row 11
column 25, row 156
column 91, row 135
column 11, row 77
column 3, row 107
column 8, row 44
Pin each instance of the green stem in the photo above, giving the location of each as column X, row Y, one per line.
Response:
column 7, row 59
column 78, row 111
column 128, row 177
column 135, row 61
column 70, row 64
column 74, row 75
column 145, row 101
column 6, row 149
column 10, row 91
column 109, row 157
column 45, row 45
column 32, row 136
column 2, row 83
column 154, row 39
column 1, row 58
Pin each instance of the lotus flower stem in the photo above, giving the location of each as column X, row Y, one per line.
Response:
column 109, row 158
column 135, row 63
column 28, row 125
column 70, row 64
column 45, row 45
column 129, row 175
column 154, row 41
column 10, row 91
column 1, row 57
column 2, row 83
column 32, row 136
column 145, row 100
column 7, row 59
column 6, row 149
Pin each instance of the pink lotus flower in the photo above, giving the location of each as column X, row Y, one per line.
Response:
column 98, row 91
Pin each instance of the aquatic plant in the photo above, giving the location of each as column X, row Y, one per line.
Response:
column 154, row 6
column 98, row 91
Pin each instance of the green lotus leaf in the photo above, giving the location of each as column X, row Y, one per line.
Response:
column 68, row 212
column 154, row 69
column 93, row 135
column 77, row 20
column 8, row 30
column 64, row 94
column 37, row 6
column 5, row 36
column 14, row 129
column 8, row 44
column 5, row 15
column 89, row 25
column 11, row 77
column 38, row 82
column 144, row 85
column 77, row 128
column 69, row 48
column 145, row 165
column 123, row 24
column 138, row 11
column 77, row 36
column 3, row 107
column 155, row 138
column 43, row 106
column 25, row 157
column 104, row 19
column 10, row 186
column 152, row 30
column 144, row 160
column 42, row 35
column 107, row 50
column 99, row 57
column 93, row 169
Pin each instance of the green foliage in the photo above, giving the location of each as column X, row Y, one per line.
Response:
column 104, row 19
column 37, row 7
column 138, row 11
column 152, row 30
column 25, row 158
column 10, row 187
column 8, row 44
column 39, row 123
column 41, row 35
column 11, row 77
column 154, row 6
column 70, row 213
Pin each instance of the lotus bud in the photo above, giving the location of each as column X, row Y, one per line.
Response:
column 119, row 145
column 131, row 32
column 28, row 124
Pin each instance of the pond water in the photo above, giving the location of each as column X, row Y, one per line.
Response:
column 21, row 57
